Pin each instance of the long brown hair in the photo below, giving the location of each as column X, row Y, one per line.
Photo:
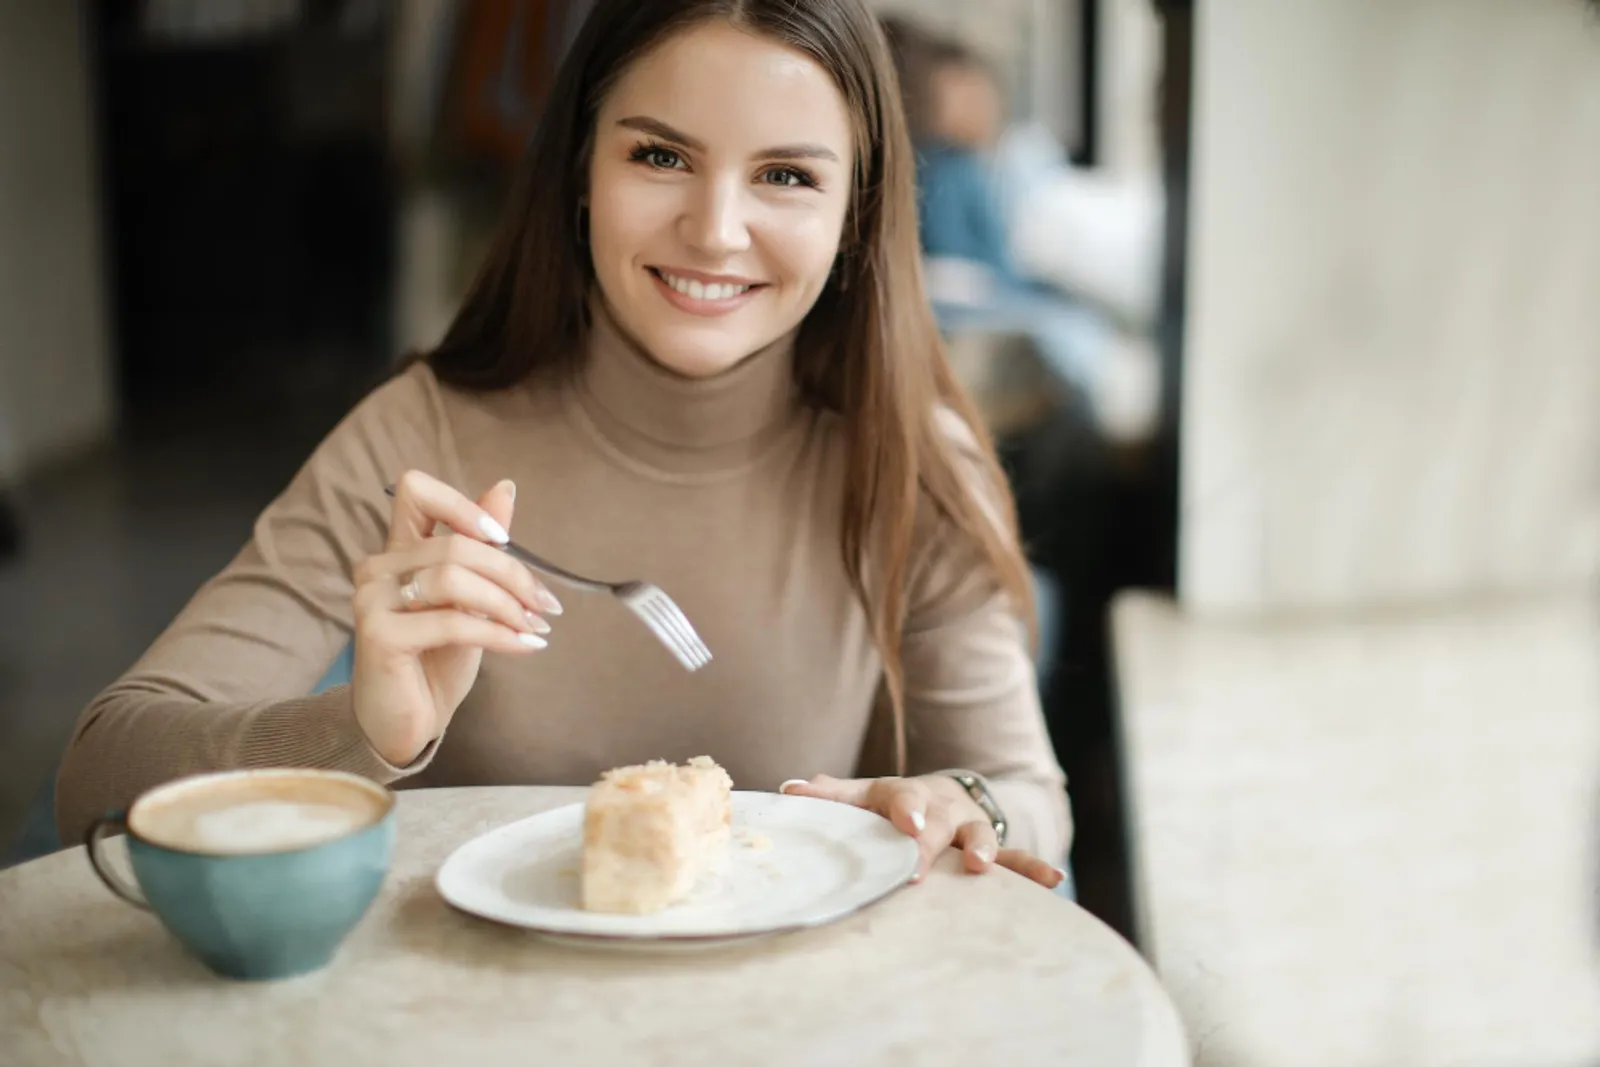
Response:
column 869, row 349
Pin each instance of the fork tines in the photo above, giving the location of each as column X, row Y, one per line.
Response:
column 668, row 622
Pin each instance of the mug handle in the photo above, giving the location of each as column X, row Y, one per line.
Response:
column 99, row 830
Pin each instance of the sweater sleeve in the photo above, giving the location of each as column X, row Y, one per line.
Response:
column 225, row 686
column 971, row 694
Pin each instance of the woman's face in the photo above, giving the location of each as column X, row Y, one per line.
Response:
column 717, row 195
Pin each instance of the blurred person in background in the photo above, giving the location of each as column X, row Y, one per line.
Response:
column 975, row 175
column 698, row 352
column 1002, row 194
column 955, row 113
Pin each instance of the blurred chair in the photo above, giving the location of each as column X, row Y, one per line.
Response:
column 1006, row 380
column 1069, row 340
column 1026, row 354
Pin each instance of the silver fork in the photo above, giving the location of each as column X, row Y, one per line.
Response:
column 653, row 606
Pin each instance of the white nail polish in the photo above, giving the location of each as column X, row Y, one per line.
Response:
column 493, row 530
column 538, row 624
column 985, row 854
column 511, row 489
column 919, row 820
column 784, row 788
column 547, row 600
column 533, row 640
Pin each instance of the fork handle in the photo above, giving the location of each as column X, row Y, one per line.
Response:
column 544, row 566
column 560, row 574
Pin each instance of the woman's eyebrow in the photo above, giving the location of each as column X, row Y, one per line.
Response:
column 657, row 128
column 799, row 151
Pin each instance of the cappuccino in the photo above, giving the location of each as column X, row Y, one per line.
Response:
column 255, row 813
column 260, row 873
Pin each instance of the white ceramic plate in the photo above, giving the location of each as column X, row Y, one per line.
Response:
column 794, row 862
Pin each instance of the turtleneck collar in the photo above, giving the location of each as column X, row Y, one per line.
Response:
column 683, row 426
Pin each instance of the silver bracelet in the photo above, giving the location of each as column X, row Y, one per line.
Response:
column 978, row 789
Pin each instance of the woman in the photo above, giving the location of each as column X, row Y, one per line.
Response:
column 698, row 354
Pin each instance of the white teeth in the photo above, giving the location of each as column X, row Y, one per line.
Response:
column 701, row 291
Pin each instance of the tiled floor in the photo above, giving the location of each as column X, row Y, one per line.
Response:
column 115, row 544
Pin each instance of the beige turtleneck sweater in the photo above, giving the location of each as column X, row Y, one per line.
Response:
column 726, row 493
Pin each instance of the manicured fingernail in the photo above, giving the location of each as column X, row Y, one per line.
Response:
column 1060, row 872
column 533, row 640
column 493, row 530
column 984, row 853
column 919, row 820
column 547, row 600
column 511, row 489
column 538, row 624
column 784, row 788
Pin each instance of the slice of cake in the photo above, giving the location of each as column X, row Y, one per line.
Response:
column 650, row 832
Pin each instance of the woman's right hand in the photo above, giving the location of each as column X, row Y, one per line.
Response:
column 427, row 608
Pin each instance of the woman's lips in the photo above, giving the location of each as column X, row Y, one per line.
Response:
column 705, row 298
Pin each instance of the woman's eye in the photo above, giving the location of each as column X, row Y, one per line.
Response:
column 657, row 156
column 788, row 178
column 662, row 158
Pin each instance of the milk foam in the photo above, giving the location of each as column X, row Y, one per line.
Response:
column 274, row 825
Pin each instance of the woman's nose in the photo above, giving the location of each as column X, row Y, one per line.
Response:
column 716, row 222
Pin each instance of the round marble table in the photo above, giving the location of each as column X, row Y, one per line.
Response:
column 960, row 970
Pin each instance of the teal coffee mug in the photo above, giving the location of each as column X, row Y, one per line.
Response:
column 261, row 874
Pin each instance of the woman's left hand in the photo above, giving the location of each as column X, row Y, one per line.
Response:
column 936, row 811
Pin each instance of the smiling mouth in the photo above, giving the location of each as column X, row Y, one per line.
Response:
column 698, row 290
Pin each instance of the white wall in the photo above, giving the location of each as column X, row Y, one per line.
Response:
column 55, row 371
column 1129, row 80
column 1393, row 350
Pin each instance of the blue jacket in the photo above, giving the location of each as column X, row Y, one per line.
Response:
column 958, row 208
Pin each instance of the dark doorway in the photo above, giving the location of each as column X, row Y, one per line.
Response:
column 249, row 208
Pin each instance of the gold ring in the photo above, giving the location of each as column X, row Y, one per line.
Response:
column 411, row 595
